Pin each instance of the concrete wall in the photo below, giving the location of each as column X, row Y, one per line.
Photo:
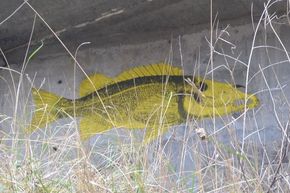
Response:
column 264, row 125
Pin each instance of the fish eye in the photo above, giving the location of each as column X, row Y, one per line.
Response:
column 202, row 86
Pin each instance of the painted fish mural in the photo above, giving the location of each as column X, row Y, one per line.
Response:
column 154, row 97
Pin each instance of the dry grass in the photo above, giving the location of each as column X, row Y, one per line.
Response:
column 54, row 160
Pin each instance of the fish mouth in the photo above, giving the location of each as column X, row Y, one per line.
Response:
column 251, row 102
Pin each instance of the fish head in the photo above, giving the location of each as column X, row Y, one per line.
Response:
column 208, row 98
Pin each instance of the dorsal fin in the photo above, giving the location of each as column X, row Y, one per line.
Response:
column 149, row 70
column 98, row 80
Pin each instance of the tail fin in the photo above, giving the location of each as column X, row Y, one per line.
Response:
column 45, row 111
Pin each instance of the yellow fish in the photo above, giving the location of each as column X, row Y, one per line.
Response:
column 154, row 97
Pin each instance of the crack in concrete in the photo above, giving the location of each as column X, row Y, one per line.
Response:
column 104, row 16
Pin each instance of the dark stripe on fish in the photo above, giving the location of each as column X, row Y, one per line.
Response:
column 124, row 85
column 181, row 110
column 239, row 86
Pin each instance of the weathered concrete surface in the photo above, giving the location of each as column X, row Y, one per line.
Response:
column 269, row 69
column 106, row 23
column 56, row 74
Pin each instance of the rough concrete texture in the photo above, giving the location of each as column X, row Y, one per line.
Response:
column 268, row 72
column 106, row 23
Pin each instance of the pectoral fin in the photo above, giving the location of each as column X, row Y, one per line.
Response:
column 157, row 107
column 92, row 125
column 148, row 110
column 158, row 114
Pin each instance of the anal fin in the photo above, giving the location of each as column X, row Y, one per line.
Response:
column 92, row 125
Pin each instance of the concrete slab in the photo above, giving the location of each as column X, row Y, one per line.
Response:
column 109, row 23
column 142, row 32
